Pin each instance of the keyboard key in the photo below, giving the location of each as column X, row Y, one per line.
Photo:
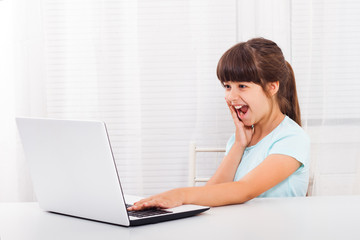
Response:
column 147, row 212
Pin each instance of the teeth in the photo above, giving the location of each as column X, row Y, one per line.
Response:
column 238, row 107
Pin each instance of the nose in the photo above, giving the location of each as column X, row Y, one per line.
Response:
column 232, row 96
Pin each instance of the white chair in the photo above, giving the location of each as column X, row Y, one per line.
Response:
column 312, row 178
column 193, row 179
column 313, row 168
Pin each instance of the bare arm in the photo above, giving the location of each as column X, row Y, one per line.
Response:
column 273, row 170
column 227, row 169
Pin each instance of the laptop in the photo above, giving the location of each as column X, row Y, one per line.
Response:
column 74, row 173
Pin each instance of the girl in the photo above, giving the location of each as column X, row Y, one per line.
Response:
column 268, row 155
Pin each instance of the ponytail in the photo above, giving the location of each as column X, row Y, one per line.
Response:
column 288, row 99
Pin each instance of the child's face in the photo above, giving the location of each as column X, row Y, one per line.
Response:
column 249, row 100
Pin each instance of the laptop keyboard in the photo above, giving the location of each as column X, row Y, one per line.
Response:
column 146, row 213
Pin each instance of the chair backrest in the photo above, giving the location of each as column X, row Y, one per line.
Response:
column 193, row 178
column 311, row 191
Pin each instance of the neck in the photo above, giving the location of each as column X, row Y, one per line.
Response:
column 266, row 125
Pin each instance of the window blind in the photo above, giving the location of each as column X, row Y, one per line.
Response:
column 326, row 55
column 146, row 68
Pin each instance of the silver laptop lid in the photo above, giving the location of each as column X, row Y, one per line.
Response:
column 72, row 168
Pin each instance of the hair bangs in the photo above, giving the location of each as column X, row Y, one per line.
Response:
column 238, row 65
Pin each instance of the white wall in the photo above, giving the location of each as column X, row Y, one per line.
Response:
column 8, row 172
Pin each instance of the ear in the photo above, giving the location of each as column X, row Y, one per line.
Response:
column 273, row 88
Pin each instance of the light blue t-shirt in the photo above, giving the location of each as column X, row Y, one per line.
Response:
column 288, row 138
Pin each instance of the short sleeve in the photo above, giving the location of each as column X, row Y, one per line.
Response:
column 293, row 145
column 229, row 144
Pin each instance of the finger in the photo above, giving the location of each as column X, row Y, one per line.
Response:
column 229, row 104
column 132, row 208
column 152, row 204
column 147, row 205
column 233, row 112
column 231, row 107
column 138, row 205
column 142, row 201
column 234, row 115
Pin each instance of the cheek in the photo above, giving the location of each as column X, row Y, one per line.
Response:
column 256, row 102
column 227, row 95
column 263, row 104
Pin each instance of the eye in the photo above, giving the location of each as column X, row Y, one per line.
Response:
column 242, row 86
column 227, row 86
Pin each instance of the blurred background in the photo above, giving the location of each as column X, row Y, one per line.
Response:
column 148, row 69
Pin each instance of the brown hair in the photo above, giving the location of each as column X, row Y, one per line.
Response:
column 261, row 61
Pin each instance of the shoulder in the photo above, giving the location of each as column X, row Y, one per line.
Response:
column 290, row 129
column 290, row 139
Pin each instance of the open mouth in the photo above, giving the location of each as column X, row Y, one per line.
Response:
column 241, row 110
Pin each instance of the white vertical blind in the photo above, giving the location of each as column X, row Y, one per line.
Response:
column 93, row 72
column 145, row 68
column 7, row 127
column 268, row 19
column 326, row 57
column 263, row 18
column 148, row 69
column 21, row 90
column 179, row 45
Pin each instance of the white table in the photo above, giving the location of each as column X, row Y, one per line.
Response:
column 281, row 218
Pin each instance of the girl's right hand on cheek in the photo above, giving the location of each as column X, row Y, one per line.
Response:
column 243, row 134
